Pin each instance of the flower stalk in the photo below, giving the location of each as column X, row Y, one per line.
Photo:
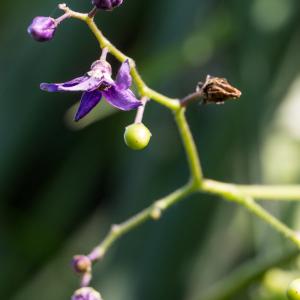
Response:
column 153, row 212
column 140, row 111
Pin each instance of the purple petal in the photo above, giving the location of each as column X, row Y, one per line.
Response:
column 83, row 84
column 122, row 99
column 88, row 101
column 123, row 79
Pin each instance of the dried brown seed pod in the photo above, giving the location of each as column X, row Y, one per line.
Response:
column 217, row 90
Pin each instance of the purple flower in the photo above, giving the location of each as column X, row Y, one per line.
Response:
column 42, row 29
column 86, row 293
column 97, row 83
column 107, row 4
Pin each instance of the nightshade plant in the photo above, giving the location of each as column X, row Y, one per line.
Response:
column 97, row 82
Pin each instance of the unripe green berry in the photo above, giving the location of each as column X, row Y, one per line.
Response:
column 137, row 136
column 293, row 291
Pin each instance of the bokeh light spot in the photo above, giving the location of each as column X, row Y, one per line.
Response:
column 271, row 15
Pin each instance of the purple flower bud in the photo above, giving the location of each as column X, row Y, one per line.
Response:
column 81, row 264
column 42, row 29
column 86, row 293
column 107, row 4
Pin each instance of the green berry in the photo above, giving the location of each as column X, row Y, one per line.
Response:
column 293, row 291
column 137, row 136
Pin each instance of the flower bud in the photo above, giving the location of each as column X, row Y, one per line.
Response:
column 217, row 90
column 86, row 293
column 293, row 292
column 137, row 136
column 107, row 4
column 42, row 29
column 81, row 264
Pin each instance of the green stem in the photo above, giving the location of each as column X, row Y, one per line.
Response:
column 190, row 148
column 172, row 104
column 152, row 212
column 272, row 192
column 232, row 193
column 246, row 275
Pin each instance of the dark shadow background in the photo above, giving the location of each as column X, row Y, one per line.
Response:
column 61, row 188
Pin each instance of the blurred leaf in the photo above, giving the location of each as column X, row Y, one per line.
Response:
column 101, row 111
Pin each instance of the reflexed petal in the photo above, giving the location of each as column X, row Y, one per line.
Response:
column 122, row 99
column 123, row 79
column 55, row 87
column 88, row 101
column 80, row 84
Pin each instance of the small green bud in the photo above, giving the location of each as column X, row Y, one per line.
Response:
column 293, row 291
column 137, row 136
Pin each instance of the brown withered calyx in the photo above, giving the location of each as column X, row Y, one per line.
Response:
column 217, row 90
column 213, row 90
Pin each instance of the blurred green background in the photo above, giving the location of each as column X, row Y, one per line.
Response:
column 61, row 188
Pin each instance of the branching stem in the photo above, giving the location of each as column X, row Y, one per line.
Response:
column 154, row 212
column 241, row 194
column 232, row 193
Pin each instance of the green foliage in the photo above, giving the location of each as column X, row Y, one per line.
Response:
column 293, row 291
